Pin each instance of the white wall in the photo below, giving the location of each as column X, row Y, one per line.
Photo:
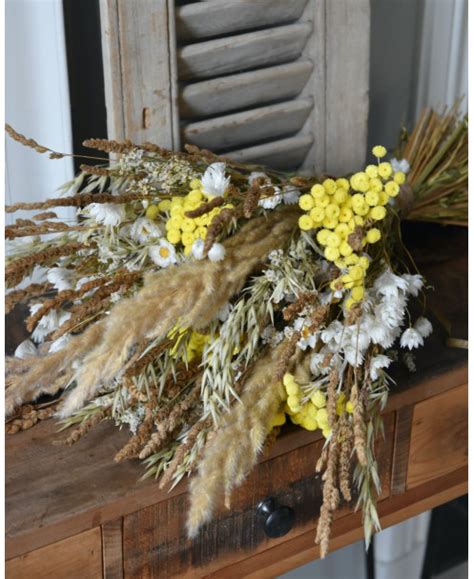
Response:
column 36, row 98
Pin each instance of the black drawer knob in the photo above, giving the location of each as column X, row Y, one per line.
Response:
column 278, row 519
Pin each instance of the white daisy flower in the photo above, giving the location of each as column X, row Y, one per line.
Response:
column 25, row 350
column 163, row 253
column 214, row 182
column 143, row 230
column 415, row 283
column 403, row 165
column 377, row 363
column 217, row 252
column 307, row 340
column 60, row 278
column 107, row 213
column 411, row 338
column 423, row 327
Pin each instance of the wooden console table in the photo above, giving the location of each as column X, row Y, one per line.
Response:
column 73, row 512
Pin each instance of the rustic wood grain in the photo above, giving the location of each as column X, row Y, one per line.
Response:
column 202, row 20
column 281, row 154
column 242, row 52
column 439, row 436
column 243, row 90
column 112, row 549
column 346, row 530
column 403, row 424
column 250, row 126
column 139, row 70
column 77, row 557
column 347, row 84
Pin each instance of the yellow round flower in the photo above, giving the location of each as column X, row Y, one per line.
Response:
column 357, row 200
column 187, row 238
column 188, row 224
column 333, row 240
column 349, row 407
column 278, row 420
column 347, row 281
column 305, row 222
column 379, row 151
column 152, row 211
column 373, row 235
column 385, row 170
column 309, row 424
column 322, row 416
column 364, row 262
column 202, row 231
column 358, row 220
column 392, row 188
column 372, row 198
column 306, row 202
column 195, row 184
column 348, row 304
column 362, row 209
column 176, row 201
column 195, row 196
column 345, row 214
column 323, row 201
column 318, row 191
column 357, row 293
column 343, row 183
column 329, row 186
column 342, row 230
column 175, row 222
column 356, row 273
column 330, row 223
column 187, row 251
column 288, row 379
column 318, row 399
column 378, row 213
column 340, row 196
column 399, row 177
column 351, row 259
column 173, row 236
column 322, row 236
column 345, row 249
column 294, row 403
column 372, row 171
column 293, row 389
column 383, row 198
column 360, row 182
column 177, row 210
column 164, row 205
column 332, row 211
column 317, row 214
column 331, row 253
column 376, row 185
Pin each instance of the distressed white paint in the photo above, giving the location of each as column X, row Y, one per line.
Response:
column 36, row 99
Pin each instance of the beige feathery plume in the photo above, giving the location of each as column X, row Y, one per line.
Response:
column 190, row 293
column 234, row 449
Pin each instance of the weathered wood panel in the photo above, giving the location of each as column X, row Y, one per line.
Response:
column 251, row 126
column 439, row 436
column 238, row 91
column 283, row 154
column 212, row 18
column 403, row 423
column 139, row 70
column 242, row 52
column 112, row 549
column 347, row 84
column 77, row 557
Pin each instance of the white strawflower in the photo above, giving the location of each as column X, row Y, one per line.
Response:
column 332, row 332
column 411, row 338
column 224, row 312
column 217, row 252
column 107, row 213
column 163, row 253
column 214, row 182
column 48, row 323
column 271, row 202
column 308, row 339
column 377, row 363
column 59, row 344
column 290, row 194
column 197, row 249
column 60, row 278
column 423, row 327
column 403, row 165
column 388, row 284
column 144, row 230
column 414, row 283
column 25, row 350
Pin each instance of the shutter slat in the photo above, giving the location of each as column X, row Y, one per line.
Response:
column 212, row 18
column 211, row 97
column 249, row 126
column 242, row 52
column 283, row 154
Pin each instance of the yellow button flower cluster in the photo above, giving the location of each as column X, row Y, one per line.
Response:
column 312, row 414
column 336, row 208
column 182, row 229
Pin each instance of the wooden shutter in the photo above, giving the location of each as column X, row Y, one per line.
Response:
column 280, row 82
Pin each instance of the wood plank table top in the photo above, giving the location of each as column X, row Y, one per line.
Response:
column 54, row 491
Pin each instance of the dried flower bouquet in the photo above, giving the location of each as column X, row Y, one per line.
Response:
column 203, row 303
